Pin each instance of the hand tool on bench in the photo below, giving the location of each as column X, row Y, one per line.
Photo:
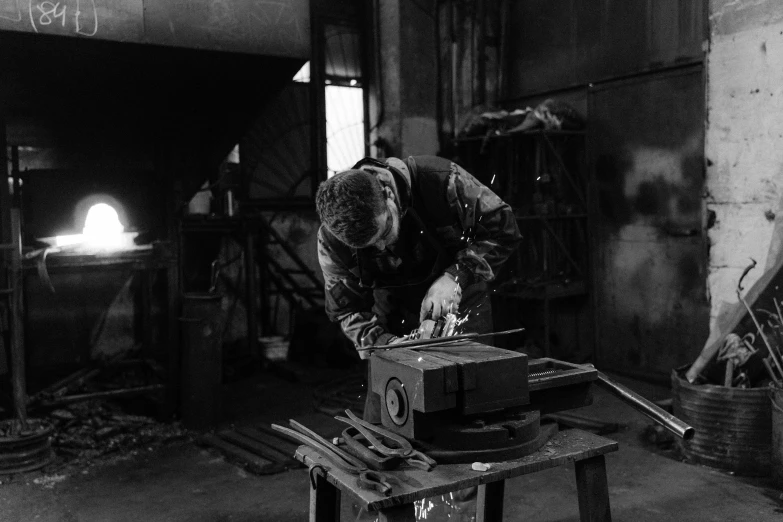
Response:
column 379, row 437
column 365, row 478
column 357, row 445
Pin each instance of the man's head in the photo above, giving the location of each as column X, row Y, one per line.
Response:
column 358, row 209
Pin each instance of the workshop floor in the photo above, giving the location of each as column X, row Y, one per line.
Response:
column 184, row 482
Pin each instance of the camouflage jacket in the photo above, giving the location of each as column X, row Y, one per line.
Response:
column 467, row 231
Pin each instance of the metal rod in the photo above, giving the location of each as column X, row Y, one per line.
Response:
column 68, row 399
column 771, row 373
column 52, row 388
column 437, row 340
column 648, row 408
column 772, row 353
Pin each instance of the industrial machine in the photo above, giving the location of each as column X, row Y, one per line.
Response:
column 463, row 401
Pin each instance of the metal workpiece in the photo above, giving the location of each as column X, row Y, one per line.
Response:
column 648, row 408
column 339, row 458
column 547, row 374
column 436, row 341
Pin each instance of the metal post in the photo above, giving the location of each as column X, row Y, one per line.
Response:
column 251, row 292
column 318, row 164
column 18, row 378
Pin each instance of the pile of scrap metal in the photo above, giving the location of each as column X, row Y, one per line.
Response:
column 76, row 421
column 76, row 435
column 118, row 376
column 550, row 115
column 749, row 351
column 87, row 430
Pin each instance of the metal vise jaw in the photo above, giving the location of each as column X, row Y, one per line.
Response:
column 421, row 389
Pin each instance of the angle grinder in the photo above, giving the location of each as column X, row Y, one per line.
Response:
column 435, row 328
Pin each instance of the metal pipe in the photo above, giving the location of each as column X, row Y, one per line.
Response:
column 18, row 371
column 648, row 408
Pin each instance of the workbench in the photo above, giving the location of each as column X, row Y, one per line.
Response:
column 585, row 449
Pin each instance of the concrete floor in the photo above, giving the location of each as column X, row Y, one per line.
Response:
column 184, row 482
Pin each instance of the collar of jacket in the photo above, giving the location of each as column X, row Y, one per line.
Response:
column 397, row 177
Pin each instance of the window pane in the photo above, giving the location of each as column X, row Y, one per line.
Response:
column 344, row 127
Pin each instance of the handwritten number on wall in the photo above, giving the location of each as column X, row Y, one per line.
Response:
column 47, row 13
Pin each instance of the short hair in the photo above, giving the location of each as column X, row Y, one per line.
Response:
column 348, row 204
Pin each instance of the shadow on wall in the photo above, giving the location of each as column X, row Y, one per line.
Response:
column 652, row 187
column 653, row 260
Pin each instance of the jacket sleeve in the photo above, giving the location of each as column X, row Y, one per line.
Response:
column 347, row 302
column 490, row 230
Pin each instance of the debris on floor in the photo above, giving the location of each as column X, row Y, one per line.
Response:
column 49, row 481
column 88, row 430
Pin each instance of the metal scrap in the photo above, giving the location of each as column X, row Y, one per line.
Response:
column 88, row 430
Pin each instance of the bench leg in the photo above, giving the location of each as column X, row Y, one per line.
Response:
column 489, row 507
column 593, row 490
column 324, row 500
column 404, row 513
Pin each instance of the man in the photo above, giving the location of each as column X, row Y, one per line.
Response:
column 402, row 241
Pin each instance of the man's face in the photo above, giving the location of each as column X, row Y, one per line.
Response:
column 388, row 222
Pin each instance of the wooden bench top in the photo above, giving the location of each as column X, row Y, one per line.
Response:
column 411, row 484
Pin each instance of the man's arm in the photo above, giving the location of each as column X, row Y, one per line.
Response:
column 347, row 302
column 491, row 233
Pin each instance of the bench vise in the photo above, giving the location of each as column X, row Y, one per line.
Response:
column 467, row 401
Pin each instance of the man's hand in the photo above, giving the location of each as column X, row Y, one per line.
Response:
column 442, row 298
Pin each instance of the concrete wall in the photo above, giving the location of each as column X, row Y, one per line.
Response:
column 405, row 115
column 743, row 142
column 279, row 28
column 634, row 70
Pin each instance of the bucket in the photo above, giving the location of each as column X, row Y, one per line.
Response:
column 275, row 347
column 733, row 425
column 776, row 394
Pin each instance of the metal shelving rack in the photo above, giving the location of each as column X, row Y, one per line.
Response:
column 543, row 176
